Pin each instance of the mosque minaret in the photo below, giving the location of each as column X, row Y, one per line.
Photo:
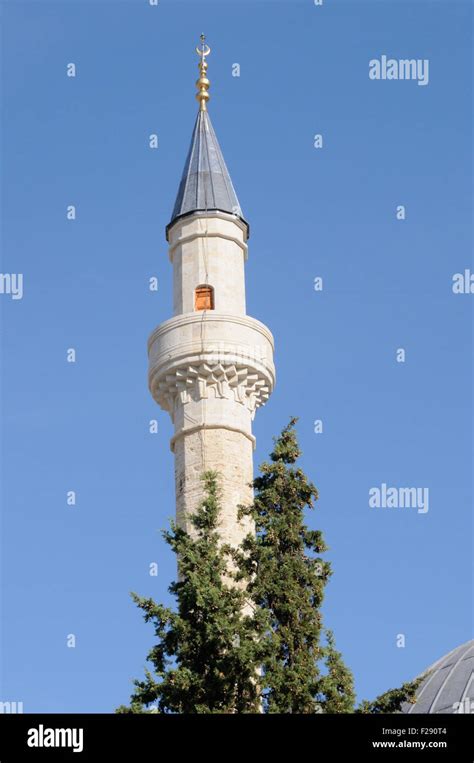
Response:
column 211, row 364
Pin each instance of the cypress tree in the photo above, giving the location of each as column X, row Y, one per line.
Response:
column 206, row 654
column 247, row 634
column 286, row 576
column 392, row 700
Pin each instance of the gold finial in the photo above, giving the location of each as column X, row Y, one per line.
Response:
column 203, row 83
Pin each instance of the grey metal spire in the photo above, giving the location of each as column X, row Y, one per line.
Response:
column 205, row 184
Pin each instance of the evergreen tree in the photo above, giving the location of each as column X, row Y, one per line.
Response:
column 302, row 672
column 247, row 635
column 391, row 701
column 336, row 687
column 206, row 656
column 286, row 577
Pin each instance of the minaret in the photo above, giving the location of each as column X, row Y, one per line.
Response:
column 211, row 365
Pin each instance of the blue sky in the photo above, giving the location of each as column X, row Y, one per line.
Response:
column 326, row 212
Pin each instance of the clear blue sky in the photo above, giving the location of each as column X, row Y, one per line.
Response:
column 329, row 213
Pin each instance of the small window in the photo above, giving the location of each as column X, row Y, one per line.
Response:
column 204, row 298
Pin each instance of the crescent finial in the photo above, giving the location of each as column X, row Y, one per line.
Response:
column 203, row 83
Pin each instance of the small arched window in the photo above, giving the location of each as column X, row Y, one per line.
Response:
column 204, row 297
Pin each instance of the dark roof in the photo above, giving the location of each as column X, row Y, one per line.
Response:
column 450, row 682
column 205, row 184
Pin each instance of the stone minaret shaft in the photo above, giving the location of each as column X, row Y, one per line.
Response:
column 211, row 365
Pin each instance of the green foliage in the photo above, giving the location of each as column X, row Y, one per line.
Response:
column 391, row 701
column 286, row 577
column 336, row 688
column 247, row 634
column 205, row 653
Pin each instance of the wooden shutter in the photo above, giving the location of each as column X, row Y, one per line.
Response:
column 204, row 298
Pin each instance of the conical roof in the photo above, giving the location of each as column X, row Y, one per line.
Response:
column 205, row 184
